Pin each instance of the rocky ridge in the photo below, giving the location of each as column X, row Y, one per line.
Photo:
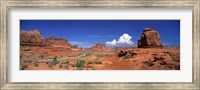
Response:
column 34, row 37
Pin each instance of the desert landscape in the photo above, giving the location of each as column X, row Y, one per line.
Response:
column 53, row 53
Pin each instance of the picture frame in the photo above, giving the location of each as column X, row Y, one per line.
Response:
column 7, row 4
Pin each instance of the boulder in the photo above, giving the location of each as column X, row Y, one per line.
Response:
column 149, row 38
column 122, row 53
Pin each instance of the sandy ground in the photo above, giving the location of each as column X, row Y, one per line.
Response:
column 44, row 58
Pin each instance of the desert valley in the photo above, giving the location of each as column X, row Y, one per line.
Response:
column 52, row 53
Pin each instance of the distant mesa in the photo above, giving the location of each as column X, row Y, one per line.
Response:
column 149, row 38
column 56, row 42
column 34, row 38
column 99, row 47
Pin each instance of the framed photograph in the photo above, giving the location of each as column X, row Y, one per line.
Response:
column 103, row 44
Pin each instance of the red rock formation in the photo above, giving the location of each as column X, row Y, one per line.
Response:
column 75, row 46
column 99, row 47
column 56, row 42
column 32, row 36
column 149, row 38
column 122, row 53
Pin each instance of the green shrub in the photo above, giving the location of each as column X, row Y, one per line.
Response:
column 66, row 62
column 60, row 65
column 73, row 65
column 66, row 67
column 50, row 65
column 79, row 68
column 41, row 56
column 101, row 55
column 98, row 62
column 47, row 62
column 80, row 63
column 89, row 63
column 20, row 56
column 149, row 63
column 29, row 61
column 36, row 63
column 93, row 68
column 126, row 57
column 87, row 54
column 55, row 61
column 24, row 67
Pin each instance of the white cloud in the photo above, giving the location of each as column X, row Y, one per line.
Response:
column 124, row 39
column 113, row 42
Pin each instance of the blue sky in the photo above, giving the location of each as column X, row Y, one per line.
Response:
column 86, row 33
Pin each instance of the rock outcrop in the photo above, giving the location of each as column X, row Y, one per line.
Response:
column 150, row 38
column 32, row 36
column 122, row 53
column 56, row 42
column 99, row 47
column 74, row 46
